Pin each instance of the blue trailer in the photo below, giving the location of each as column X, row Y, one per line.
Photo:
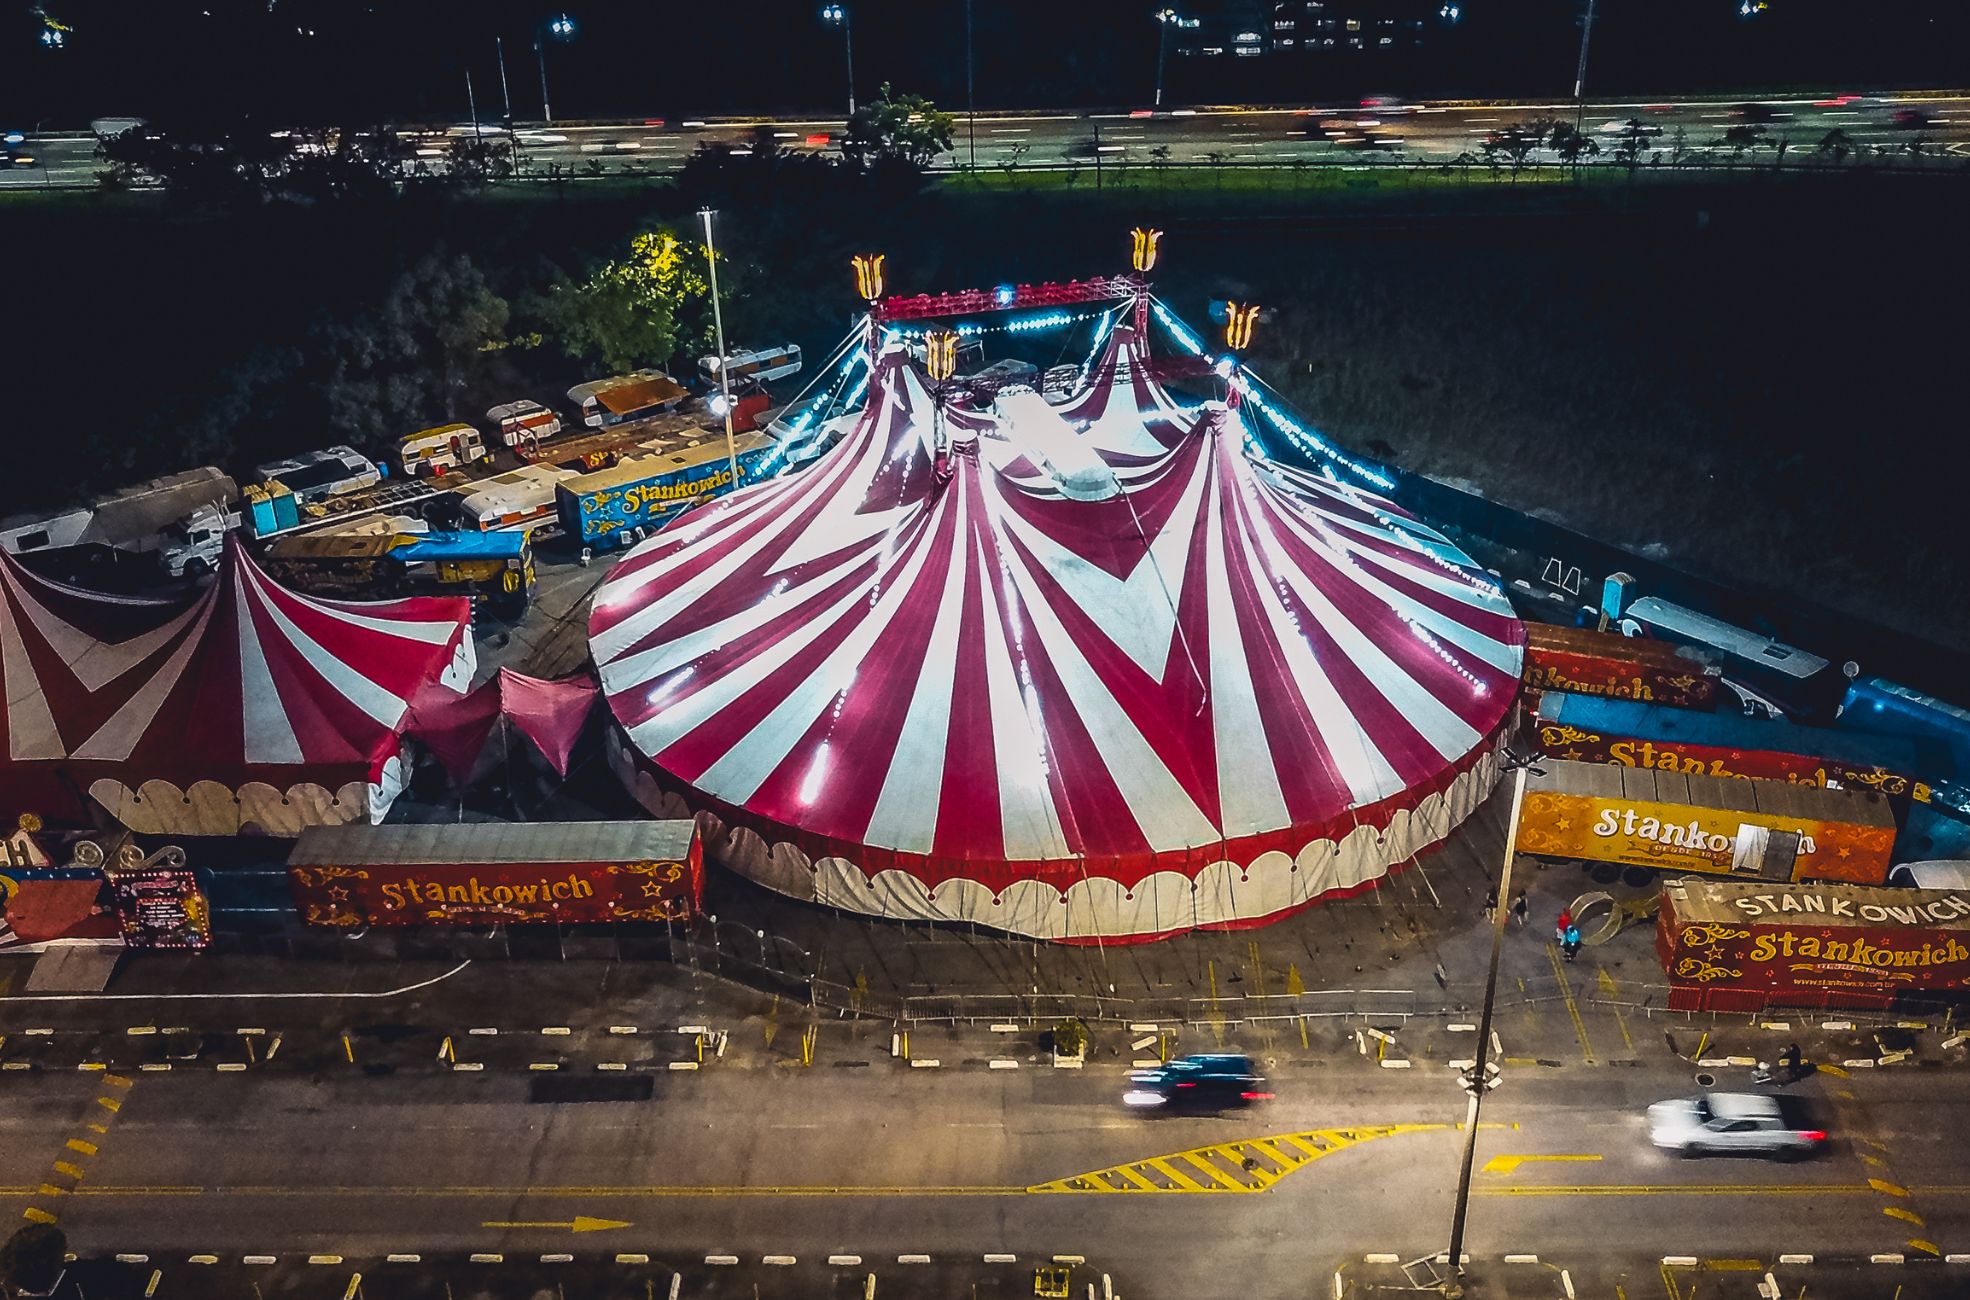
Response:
column 620, row 506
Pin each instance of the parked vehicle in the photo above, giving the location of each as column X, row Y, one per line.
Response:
column 620, row 506
column 1735, row 1123
column 315, row 475
column 495, row 567
column 1603, row 663
column 438, row 451
column 605, row 402
column 524, row 424
column 1678, row 822
column 759, row 364
column 182, row 518
column 1769, row 677
column 520, row 499
column 1211, row 1081
column 1738, row 946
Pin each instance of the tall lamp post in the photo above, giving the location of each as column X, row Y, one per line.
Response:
column 561, row 28
column 970, row 94
column 1166, row 19
column 1483, row 1074
column 718, row 330
column 1580, row 72
column 839, row 16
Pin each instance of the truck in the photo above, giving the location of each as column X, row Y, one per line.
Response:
column 137, row 520
column 1587, row 662
column 1599, row 730
column 622, row 398
column 1741, row 946
column 1638, row 821
column 620, row 506
column 524, row 424
column 494, row 568
column 492, row 873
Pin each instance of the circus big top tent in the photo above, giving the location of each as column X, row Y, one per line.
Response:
column 248, row 707
column 1094, row 668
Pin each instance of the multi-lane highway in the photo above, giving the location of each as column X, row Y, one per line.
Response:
column 452, row 1128
column 1938, row 121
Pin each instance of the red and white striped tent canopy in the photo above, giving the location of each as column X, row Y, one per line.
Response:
column 248, row 706
column 1101, row 670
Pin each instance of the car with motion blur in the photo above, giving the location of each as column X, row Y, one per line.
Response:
column 1752, row 112
column 1212, row 1081
column 1774, row 1126
column 1909, row 119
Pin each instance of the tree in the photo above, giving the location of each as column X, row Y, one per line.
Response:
column 1835, row 144
column 1679, row 146
column 1742, row 137
column 1629, row 144
column 637, row 310
column 476, row 160
column 1572, row 145
column 33, row 1259
column 1513, row 144
column 907, row 131
column 1009, row 163
column 1159, row 162
column 406, row 364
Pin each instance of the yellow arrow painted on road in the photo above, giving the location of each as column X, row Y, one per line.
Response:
column 1510, row 1164
column 580, row 1223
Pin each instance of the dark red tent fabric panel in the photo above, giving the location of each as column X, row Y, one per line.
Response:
column 41, row 910
column 549, row 713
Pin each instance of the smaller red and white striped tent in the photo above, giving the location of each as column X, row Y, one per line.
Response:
column 250, row 707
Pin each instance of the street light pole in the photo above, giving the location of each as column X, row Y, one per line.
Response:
column 505, row 91
column 718, row 330
column 472, row 105
column 1163, row 20
column 1476, row 1084
column 546, row 108
column 848, row 47
column 1580, row 73
column 970, row 95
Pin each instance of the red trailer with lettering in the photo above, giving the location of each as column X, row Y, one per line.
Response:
column 1587, row 662
column 1731, row 945
column 494, row 873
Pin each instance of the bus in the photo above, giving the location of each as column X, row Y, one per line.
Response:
column 520, row 499
column 1769, row 677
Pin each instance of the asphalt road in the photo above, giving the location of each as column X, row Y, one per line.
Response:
column 1231, row 136
column 754, row 1159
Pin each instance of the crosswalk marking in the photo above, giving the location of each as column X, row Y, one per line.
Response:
column 1247, row 1165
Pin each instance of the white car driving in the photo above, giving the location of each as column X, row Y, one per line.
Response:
column 1735, row 1123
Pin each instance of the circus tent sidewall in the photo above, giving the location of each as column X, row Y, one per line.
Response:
column 1229, row 892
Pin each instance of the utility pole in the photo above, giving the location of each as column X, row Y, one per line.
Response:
column 1163, row 21
column 472, row 105
column 1475, row 1082
column 718, row 331
column 1580, row 74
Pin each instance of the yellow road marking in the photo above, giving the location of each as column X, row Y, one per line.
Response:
column 1834, row 1070
column 86, row 1148
column 1887, row 1188
column 1510, row 1164
column 49, row 1189
column 1906, row 1216
column 110, row 1104
column 1916, row 1243
column 1222, row 1164
column 580, row 1223
column 35, row 1214
column 64, row 1167
column 1608, row 987
column 1733, row 1265
column 1684, row 1189
column 1572, row 1007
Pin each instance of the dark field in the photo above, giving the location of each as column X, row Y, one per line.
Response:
column 1757, row 381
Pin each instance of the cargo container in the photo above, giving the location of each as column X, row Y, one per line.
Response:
column 1730, row 945
column 492, row 873
column 1619, row 667
column 1591, row 730
column 616, row 507
column 1684, row 822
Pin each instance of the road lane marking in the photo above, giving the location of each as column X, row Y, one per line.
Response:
column 1572, row 1007
column 580, row 1223
column 1510, row 1164
column 1681, row 1189
column 1247, row 1165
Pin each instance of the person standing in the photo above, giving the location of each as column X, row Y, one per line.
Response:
column 1570, row 942
column 1564, row 924
column 1490, row 902
column 1520, row 908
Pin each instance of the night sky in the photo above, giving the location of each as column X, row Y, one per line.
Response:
column 169, row 59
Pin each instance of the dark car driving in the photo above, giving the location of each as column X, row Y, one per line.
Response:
column 1208, row 1082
